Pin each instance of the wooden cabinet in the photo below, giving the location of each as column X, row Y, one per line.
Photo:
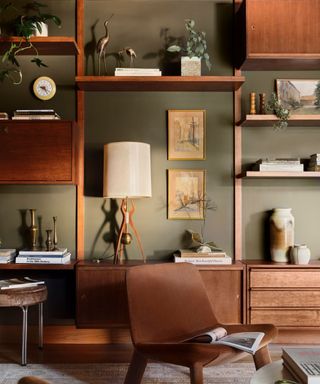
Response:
column 101, row 293
column 278, row 34
column 285, row 295
column 37, row 152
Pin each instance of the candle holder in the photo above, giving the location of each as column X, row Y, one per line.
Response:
column 253, row 103
column 33, row 230
column 49, row 239
column 55, row 236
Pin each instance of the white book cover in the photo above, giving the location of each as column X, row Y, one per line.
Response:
column 43, row 260
column 204, row 260
column 137, row 70
column 281, row 167
column 7, row 252
column 43, row 252
column 128, row 74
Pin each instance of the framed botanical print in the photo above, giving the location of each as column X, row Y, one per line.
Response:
column 186, row 191
column 186, row 134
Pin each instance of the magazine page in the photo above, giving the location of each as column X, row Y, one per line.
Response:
column 246, row 341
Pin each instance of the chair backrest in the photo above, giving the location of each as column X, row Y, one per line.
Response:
column 167, row 303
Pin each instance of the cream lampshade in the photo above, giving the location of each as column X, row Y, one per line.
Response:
column 127, row 175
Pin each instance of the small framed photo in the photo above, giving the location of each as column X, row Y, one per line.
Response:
column 186, row 134
column 300, row 96
column 186, row 191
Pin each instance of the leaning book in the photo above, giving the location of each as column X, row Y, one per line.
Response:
column 15, row 283
column 245, row 341
column 303, row 363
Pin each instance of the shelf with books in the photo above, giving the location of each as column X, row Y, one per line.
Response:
column 160, row 83
column 273, row 174
column 269, row 120
column 52, row 45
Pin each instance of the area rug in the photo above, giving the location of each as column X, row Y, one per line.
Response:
column 236, row 373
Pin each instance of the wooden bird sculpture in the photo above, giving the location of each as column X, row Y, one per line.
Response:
column 130, row 52
column 102, row 46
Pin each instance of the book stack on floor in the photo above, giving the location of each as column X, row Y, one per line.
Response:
column 35, row 114
column 279, row 165
column 314, row 163
column 16, row 283
column 303, row 364
column 7, row 255
column 137, row 72
column 191, row 256
column 57, row 256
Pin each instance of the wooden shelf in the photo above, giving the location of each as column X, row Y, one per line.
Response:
column 160, row 83
column 261, row 174
column 273, row 62
column 45, row 267
column 269, row 120
column 52, row 45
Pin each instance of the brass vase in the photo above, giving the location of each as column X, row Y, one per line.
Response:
column 33, row 229
column 49, row 240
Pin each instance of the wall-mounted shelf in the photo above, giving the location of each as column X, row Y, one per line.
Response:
column 161, row 83
column 44, row 267
column 269, row 120
column 52, row 45
column 260, row 174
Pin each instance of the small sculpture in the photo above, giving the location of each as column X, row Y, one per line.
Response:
column 49, row 240
column 262, row 103
column 102, row 45
column 33, row 229
column 252, row 103
column 130, row 52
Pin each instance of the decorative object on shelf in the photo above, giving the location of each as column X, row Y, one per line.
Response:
column 127, row 175
column 281, row 234
column 274, row 106
column 49, row 239
column 55, row 235
column 196, row 49
column 314, row 163
column 262, row 103
column 186, row 191
column 279, row 165
column 102, row 46
column 186, row 134
column 253, row 110
column 299, row 96
column 300, row 254
column 25, row 25
column 33, row 229
column 197, row 244
column 129, row 52
column 44, row 88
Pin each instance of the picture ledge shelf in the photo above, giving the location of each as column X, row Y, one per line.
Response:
column 160, row 83
column 263, row 174
column 269, row 120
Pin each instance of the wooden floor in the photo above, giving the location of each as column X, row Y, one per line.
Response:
column 85, row 353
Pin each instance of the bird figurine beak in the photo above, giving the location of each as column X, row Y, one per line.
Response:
column 110, row 18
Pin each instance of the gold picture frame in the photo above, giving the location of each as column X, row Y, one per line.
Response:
column 186, row 134
column 186, row 191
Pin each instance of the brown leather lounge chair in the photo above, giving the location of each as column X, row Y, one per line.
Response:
column 168, row 303
column 32, row 380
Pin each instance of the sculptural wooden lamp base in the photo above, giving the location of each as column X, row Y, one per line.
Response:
column 127, row 175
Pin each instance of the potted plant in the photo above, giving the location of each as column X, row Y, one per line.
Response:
column 283, row 114
column 29, row 23
column 195, row 49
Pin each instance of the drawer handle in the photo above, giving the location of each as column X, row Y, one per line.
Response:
column 4, row 130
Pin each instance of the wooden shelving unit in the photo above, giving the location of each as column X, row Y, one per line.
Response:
column 263, row 174
column 39, row 267
column 269, row 120
column 160, row 83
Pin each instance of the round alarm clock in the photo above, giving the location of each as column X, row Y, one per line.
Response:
column 44, row 88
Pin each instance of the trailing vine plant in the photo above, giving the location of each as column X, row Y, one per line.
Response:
column 24, row 25
column 283, row 114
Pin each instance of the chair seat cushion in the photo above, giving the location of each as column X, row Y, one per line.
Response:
column 23, row 296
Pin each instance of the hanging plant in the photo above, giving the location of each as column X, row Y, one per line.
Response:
column 283, row 114
column 24, row 25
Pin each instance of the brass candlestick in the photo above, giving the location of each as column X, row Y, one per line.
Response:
column 49, row 240
column 33, row 229
column 253, row 103
column 55, row 236
column 262, row 103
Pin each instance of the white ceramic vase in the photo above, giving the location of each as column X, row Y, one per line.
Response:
column 300, row 254
column 190, row 66
column 281, row 234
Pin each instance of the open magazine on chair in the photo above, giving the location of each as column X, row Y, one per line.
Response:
column 246, row 341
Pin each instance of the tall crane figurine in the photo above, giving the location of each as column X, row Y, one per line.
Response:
column 102, row 46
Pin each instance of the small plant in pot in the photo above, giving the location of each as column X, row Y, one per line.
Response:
column 195, row 49
column 32, row 21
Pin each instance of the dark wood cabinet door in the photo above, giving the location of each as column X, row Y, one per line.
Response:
column 37, row 152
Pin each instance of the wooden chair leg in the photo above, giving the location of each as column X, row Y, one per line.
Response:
column 136, row 369
column 196, row 374
column 262, row 357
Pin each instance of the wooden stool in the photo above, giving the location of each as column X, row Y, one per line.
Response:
column 23, row 298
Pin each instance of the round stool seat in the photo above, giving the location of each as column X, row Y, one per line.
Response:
column 23, row 296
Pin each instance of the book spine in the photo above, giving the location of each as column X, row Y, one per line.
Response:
column 36, row 117
column 60, row 253
column 137, row 74
column 199, row 255
column 294, row 365
column 204, row 260
column 42, row 260
column 295, row 374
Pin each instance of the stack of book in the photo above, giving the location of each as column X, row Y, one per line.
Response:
column 23, row 282
column 57, row 256
column 279, row 165
column 35, row 114
column 314, row 163
column 190, row 256
column 4, row 116
column 303, row 364
column 137, row 72
column 7, row 255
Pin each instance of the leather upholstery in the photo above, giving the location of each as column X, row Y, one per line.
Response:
column 32, row 380
column 168, row 304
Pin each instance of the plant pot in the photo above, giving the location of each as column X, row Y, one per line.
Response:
column 44, row 30
column 190, row 66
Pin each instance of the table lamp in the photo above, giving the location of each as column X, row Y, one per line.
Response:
column 127, row 175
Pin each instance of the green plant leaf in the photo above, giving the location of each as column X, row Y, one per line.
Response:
column 174, row 48
column 38, row 62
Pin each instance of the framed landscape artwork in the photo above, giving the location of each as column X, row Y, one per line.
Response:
column 186, row 191
column 186, row 134
column 301, row 96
